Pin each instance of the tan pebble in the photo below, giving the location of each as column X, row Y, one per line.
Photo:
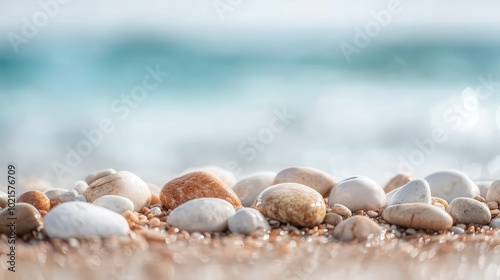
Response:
column 356, row 228
column 372, row 213
column 332, row 219
column 436, row 201
column 195, row 185
column 492, row 205
column 418, row 216
column 155, row 222
column 292, row 203
column 98, row 175
column 54, row 196
column 480, row 198
column 495, row 212
column 311, row 177
column 28, row 218
column 249, row 188
column 37, row 199
column 396, row 182
column 466, row 210
column 341, row 210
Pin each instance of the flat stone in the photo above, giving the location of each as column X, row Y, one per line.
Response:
column 396, row 182
column 451, row 184
column 341, row 210
column 332, row 219
column 418, row 216
column 292, row 203
column 35, row 198
column 358, row 193
column 246, row 221
column 28, row 218
column 466, row 210
column 414, row 191
column 313, row 178
column 195, row 185
column 202, row 214
column 98, row 175
column 249, row 188
column 122, row 183
column 82, row 220
column 115, row 203
column 356, row 228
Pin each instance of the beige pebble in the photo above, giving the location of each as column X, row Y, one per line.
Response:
column 249, row 188
column 418, row 216
column 466, row 210
column 332, row 219
column 28, row 219
column 311, row 177
column 396, row 182
column 35, row 198
column 411, row 231
column 436, row 201
column 341, row 210
column 492, row 205
column 480, row 198
column 98, row 175
column 357, row 228
column 372, row 213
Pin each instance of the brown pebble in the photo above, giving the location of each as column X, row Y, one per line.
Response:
column 28, row 218
column 37, row 199
column 398, row 181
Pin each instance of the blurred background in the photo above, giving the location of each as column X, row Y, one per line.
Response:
column 349, row 87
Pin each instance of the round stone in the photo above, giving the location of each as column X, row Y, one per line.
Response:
column 99, row 174
column 27, row 217
column 292, row 203
column 122, row 183
column 396, row 182
column 418, row 216
column 332, row 219
column 357, row 228
column 37, row 199
column 246, row 221
column 414, row 191
column 82, row 220
column 358, row 193
column 202, row 215
column 249, row 188
column 81, row 187
column 115, row 203
column 451, row 184
column 313, row 178
column 194, row 185
column 466, row 210
column 341, row 210
column 54, row 196
column 494, row 192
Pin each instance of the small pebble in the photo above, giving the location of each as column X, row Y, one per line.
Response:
column 372, row 213
column 457, row 230
column 495, row 223
column 418, row 216
column 115, row 203
column 81, row 187
column 358, row 193
column 451, row 184
column 462, row 226
column 341, row 210
column 411, row 231
column 155, row 211
column 492, row 205
column 98, row 175
column 69, row 196
column 465, row 210
column 332, row 219
column 37, row 199
column 356, row 228
column 436, row 201
column 311, row 177
column 246, row 221
column 249, row 188
column 494, row 192
column 396, row 182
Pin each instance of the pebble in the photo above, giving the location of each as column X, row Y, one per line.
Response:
column 4, row 199
column 55, row 196
column 155, row 211
column 462, row 226
column 115, row 203
column 82, row 220
column 194, row 185
column 341, row 210
column 457, row 230
column 466, row 210
column 69, row 196
column 356, row 228
column 417, row 216
column 396, row 182
column 451, row 184
column 414, row 191
column 246, row 221
column 332, row 219
column 411, row 231
column 494, row 192
column 495, row 223
column 28, row 218
column 358, row 193
column 81, row 187
column 484, row 187
column 313, row 178
column 81, row 198
column 99, row 174
column 492, row 205
column 292, row 203
column 35, row 198
column 249, row 188
column 155, row 193
column 436, row 201
column 202, row 214
column 122, row 183
column 372, row 214
column 222, row 174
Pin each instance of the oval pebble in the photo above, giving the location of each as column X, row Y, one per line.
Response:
column 202, row 215
column 82, row 220
column 122, row 183
column 81, row 187
column 396, row 182
column 292, row 203
column 246, row 221
column 54, row 196
column 450, row 184
column 341, row 210
column 311, row 177
column 98, row 175
column 249, row 188
column 414, row 191
column 356, row 228
column 28, row 218
column 358, row 193
column 466, row 210
column 436, row 201
column 332, row 219
column 418, row 216
column 35, row 198
column 115, row 203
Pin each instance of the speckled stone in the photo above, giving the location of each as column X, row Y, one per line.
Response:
column 418, row 216
column 358, row 193
column 313, row 178
column 332, row 219
column 396, row 182
column 98, row 175
column 37, row 199
column 414, row 191
column 203, row 215
column 356, row 228
column 292, row 203
column 115, row 203
column 54, row 196
column 466, row 210
column 341, row 210
column 122, row 183
column 246, row 221
column 194, row 185
column 28, row 219
column 249, row 188
column 450, row 184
